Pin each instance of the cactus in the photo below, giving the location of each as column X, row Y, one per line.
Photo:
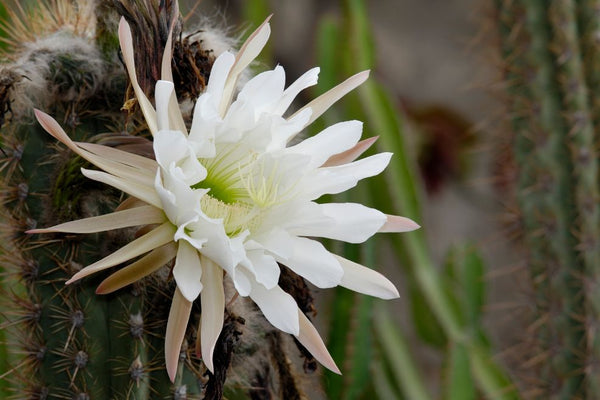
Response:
column 552, row 88
column 68, row 341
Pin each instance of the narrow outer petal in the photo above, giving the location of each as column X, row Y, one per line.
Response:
column 146, row 265
column 176, row 326
column 396, row 223
column 213, row 308
column 153, row 239
column 309, row 337
column 144, row 215
column 351, row 154
column 251, row 48
column 365, row 280
column 329, row 98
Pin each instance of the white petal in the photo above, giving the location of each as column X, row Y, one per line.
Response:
column 218, row 74
column 333, row 180
column 278, row 307
column 162, row 95
column 179, row 316
column 126, row 41
column 333, row 140
column 349, row 222
column 213, row 309
column 310, row 339
column 308, row 79
column 326, row 100
column 365, row 280
column 312, row 261
column 142, row 192
column 251, row 48
column 263, row 91
column 188, row 271
column 266, row 269
column 144, row 215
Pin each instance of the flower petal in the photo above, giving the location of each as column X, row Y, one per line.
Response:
column 144, row 215
column 278, row 307
column 126, row 41
column 153, row 239
column 365, row 280
column 312, row 261
column 349, row 222
column 213, row 306
column 310, row 339
column 333, row 180
column 120, row 156
column 179, row 316
column 351, row 154
column 308, row 79
column 329, row 98
column 146, row 265
column 188, row 271
column 142, row 192
column 332, row 140
column 251, row 48
column 396, row 223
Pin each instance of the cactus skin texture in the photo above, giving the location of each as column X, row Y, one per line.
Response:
column 70, row 343
column 551, row 58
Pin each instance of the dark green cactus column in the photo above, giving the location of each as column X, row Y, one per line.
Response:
column 548, row 49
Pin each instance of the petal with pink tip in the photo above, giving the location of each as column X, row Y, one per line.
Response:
column 352, row 154
column 157, row 237
column 311, row 340
column 121, row 219
column 396, row 223
column 146, row 265
column 365, row 280
column 213, row 306
column 126, row 41
column 251, row 48
column 179, row 316
column 329, row 98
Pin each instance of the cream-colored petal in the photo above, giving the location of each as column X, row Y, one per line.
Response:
column 151, row 262
column 309, row 337
column 121, row 219
column 126, row 40
column 129, row 203
column 153, row 239
column 351, row 154
column 396, row 223
column 213, row 309
column 120, row 156
column 142, row 192
column 179, row 316
column 365, row 280
column 251, row 48
column 329, row 98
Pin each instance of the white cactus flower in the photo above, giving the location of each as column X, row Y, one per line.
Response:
column 232, row 196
